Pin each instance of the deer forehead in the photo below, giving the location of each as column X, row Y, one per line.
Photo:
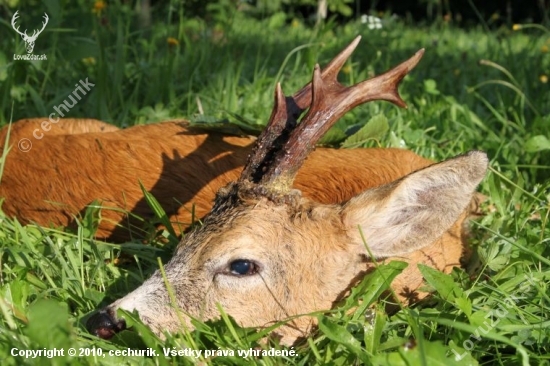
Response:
column 264, row 230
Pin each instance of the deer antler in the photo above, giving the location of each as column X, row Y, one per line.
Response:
column 284, row 116
column 36, row 33
column 283, row 146
column 13, row 19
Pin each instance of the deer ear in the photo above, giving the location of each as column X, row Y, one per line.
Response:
column 412, row 212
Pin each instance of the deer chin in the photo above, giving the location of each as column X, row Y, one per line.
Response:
column 152, row 305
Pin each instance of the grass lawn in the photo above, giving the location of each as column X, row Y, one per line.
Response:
column 474, row 89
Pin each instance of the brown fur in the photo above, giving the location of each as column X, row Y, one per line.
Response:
column 78, row 161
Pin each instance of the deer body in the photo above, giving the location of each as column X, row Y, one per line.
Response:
column 78, row 161
column 67, row 170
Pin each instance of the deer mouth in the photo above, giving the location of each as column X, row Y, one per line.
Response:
column 104, row 324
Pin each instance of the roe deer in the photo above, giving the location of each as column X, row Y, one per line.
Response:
column 265, row 253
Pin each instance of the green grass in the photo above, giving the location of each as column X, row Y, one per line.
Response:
column 52, row 279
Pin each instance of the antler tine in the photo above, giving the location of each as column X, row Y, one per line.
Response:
column 45, row 22
column 330, row 102
column 13, row 20
column 285, row 113
column 264, row 146
column 328, row 74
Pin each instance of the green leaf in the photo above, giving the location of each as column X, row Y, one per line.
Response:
column 430, row 86
column 462, row 355
column 277, row 20
column 375, row 128
column 340, row 334
column 49, row 324
column 92, row 217
column 465, row 305
column 498, row 263
column 429, row 353
column 443, row 283
column 537, row 143
column 493, row 257
column 370, row 289
column 16, row 293
column 141, row 334
column 396, row 141
column 95, row 296
column 344, row 10
column 373, row 330
column 332, row 137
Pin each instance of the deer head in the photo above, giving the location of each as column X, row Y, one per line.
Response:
column 264, row 253
column 29, row 40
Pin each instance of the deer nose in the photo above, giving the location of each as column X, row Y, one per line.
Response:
column 104, row 325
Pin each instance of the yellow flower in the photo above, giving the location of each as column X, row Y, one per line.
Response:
column 295, row 23
column 346, row 69
column 543, row 79
column 172, row 41
column 495, row 16
column 544, row 49
column 516, row 27
column 89, row 61
column 99, row 6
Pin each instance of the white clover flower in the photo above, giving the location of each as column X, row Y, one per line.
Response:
column 372, row 22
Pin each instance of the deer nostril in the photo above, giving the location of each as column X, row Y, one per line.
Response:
column 104, row 326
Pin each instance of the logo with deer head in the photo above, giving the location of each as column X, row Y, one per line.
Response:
column 29, row 40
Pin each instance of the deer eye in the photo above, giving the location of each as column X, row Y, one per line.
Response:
column 243, row 267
